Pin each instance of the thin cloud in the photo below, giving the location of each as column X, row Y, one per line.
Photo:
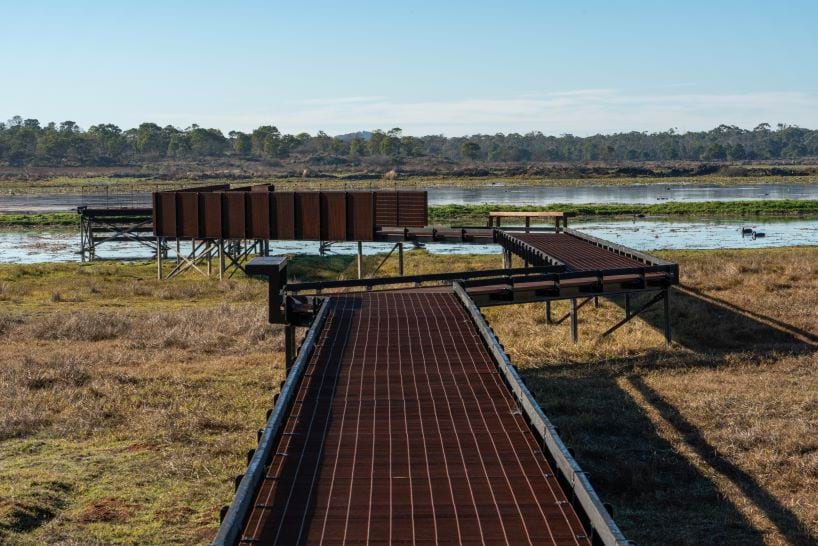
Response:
column 581, row 112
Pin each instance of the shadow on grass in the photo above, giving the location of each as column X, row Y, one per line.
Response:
column 787, row 523
column 706, row 324
column 660, row 497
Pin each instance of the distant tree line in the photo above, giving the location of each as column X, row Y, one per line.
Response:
column 28, row 142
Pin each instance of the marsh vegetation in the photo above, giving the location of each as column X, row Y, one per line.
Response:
column 128, row 404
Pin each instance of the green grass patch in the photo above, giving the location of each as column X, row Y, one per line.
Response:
column 39, row 220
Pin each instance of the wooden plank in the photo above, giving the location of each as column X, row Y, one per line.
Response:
column 284, row 215
column 258, row 216
column 532, row 214
column 308, row 216
column 333, row 216
column 234, row 210
column 361, row 215
column 210, row 219
column 386, row 209
column 413, row 209
column 187, row 214
column 167, row 214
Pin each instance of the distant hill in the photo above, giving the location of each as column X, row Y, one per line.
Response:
column 365, row 135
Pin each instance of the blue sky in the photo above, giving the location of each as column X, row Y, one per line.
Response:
column 458, row 67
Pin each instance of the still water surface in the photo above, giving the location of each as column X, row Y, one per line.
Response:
column 632, row 194
column 642, row 234
column 498, row 193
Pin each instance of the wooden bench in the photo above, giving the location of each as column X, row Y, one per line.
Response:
column 495, row 216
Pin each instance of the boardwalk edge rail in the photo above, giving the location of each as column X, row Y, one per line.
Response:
column 233, row 522
column 599, row 519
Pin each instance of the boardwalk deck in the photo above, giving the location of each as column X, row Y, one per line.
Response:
column 391, row 441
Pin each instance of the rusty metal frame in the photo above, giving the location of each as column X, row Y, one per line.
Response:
column 118, row 225
column 372, row 282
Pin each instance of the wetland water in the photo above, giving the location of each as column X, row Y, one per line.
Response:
column 510, row 194
column 643, row 194
column 643, row 234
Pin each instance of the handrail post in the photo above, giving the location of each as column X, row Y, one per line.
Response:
column 275, row 269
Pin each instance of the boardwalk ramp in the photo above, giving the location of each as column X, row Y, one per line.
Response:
column 403, row 422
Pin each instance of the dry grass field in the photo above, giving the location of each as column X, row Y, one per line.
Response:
column 127, row 405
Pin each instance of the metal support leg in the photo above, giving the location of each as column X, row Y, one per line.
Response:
column 596, row 302
column 548, row 312
column 221, row 258
column 178, row 250
column 668, row 333
column 360, row 260
column 574, row 331
column 92, row 251
column 400, row 259
column 627, row 306
column 159, row 256
column 289, row 347
column 82, row 239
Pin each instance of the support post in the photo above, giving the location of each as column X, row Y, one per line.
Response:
column 289, row 348
column 627, row 306
column 360, row 260
column 82, row 238
column 92, row 251
column 178, row 250
column 275, row 269
column 596, row 302
column 400, row 259
column 159, row 256
column 668, row 333
column 574, row 330
column 221, row 258
column 209, row 252
column 548, row 312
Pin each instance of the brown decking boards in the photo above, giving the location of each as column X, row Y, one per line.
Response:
column 403, row 432
column 577, row 254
